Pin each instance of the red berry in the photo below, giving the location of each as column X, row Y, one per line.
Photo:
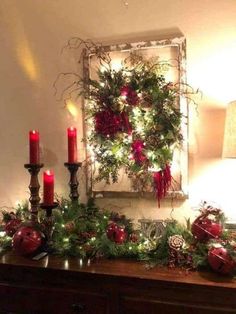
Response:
column 133, row 237
column 12, row 226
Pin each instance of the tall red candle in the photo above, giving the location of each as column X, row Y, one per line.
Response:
column 72, row 144
column 48, row 187
column 34, row 147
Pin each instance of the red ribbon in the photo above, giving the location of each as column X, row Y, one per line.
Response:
column 162, row 182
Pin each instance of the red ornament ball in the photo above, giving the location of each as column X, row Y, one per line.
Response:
column 26, row 240
column 116, row 233
column 12, row 226
column 205, row 229
column 221, row 261
column 215, row 229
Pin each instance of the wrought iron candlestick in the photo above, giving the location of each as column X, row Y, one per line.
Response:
column 49, row 221
column 73, row 183
column 34, row 190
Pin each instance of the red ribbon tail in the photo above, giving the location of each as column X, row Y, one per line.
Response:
column 162, row 182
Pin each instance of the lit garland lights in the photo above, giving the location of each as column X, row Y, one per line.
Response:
column 79, row 230
column 85, row 231
column 136, row 122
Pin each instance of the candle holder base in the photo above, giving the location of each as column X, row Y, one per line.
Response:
column 73, row 183
column 34, row 189
column 33, row 166
column 48, row 222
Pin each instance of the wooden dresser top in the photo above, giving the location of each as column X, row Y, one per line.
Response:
column 121, row 268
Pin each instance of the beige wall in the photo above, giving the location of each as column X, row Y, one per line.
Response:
column 32, row 35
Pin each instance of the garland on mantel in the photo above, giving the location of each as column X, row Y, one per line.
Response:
column 134, row 116
column 85, row 231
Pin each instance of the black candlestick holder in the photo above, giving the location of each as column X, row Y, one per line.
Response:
column 73, row 183
column 48, row 222
column 34, row 190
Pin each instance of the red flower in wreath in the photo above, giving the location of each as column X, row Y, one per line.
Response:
column 137, row 150
column 130, row 94
column 109, row 123
column 137, row 146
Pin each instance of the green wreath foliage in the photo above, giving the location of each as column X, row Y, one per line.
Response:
column 136, row 119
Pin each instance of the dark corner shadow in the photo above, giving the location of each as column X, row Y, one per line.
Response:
column 209, row 275
column 166, row 33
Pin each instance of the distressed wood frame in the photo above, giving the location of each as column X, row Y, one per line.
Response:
column 180, row 44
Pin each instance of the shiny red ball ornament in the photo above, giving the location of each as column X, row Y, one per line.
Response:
column 111, row 229
column 12, row 226
column 26, row 240
column 221, row 261
column 205, row 229
column 116, row 233
column 215, row 229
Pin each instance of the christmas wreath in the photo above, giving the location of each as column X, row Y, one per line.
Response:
column 133, row 116
column 136, row 122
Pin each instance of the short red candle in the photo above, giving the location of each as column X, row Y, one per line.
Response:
column 34, row 147
column 48, row 187
column 72, row 144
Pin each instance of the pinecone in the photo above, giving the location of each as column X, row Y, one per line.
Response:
column 153, row 140
column 176, row 242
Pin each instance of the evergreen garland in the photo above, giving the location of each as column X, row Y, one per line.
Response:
column 85, row 231
column 80, row 230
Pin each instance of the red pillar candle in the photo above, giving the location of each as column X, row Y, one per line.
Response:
column 34, row 147
column 72, row 144
column 48, row 187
